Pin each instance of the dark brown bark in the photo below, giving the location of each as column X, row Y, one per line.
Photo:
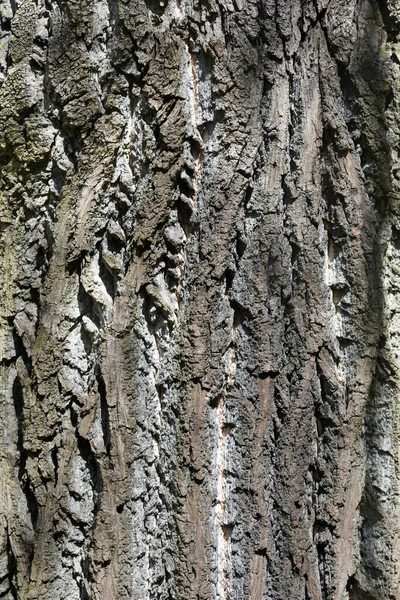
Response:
column 199, row 324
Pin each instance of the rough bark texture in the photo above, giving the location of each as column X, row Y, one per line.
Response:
column 200, row 310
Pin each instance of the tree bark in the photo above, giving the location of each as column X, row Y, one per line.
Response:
column 199, row 315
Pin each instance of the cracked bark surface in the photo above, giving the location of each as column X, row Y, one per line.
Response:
column 199, row 311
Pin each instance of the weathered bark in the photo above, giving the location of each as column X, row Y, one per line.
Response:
column 199, row 321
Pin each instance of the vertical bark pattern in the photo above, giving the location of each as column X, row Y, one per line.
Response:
column 199, row 312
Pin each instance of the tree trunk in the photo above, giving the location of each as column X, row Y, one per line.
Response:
column 199, row 313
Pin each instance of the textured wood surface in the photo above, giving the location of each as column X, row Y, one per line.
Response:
column 199, row 309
